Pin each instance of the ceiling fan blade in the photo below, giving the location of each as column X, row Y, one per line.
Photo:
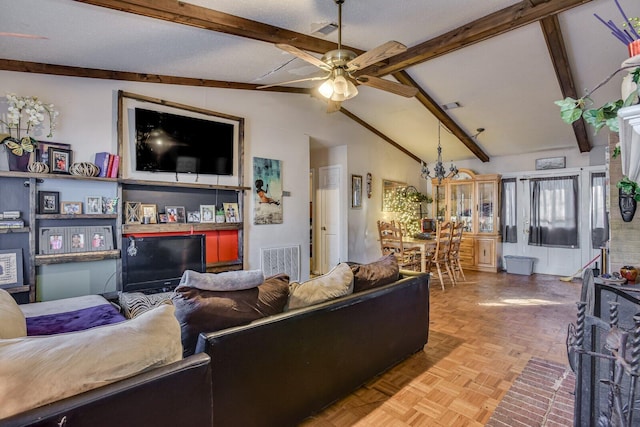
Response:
column 308, row 79
column 303, row 55
column 333, row 106
column 388, row 85
column 376, row 54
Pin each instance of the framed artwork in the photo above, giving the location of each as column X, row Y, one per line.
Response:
column 77, row 239
column 356, row 191
column 551, row 163
column 231, row 213
column 71, row 208
column 149, row 213
column 388, row 187
column 11, row 273
column 193, row 216
column 110, row 205
column 101, row 238
column 162, row 218
column 48, row 202
column 268, row 191
column 53, row 240
column 132, row 213
column 42, row 152
column 59, row 160
column 93, row 205
column 207, row 213
column 175, row 214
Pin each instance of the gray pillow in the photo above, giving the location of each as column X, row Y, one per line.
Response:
column 227, row 281
column 336, row 283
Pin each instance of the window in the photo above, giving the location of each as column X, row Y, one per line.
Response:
column 508, row 216
column 554, row 212
column 599, row 218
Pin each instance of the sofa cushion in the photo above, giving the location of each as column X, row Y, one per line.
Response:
column 336, row 283
column 377, row 273
column 226, row 281
column 37, row 370
column 199, row 310
column 133, row 304
column 12, row 321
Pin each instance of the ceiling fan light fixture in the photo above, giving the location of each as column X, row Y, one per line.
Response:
column 326, row 88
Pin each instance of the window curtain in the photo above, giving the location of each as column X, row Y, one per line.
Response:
column 554, row 212
column 508, row 217
column 599, row 217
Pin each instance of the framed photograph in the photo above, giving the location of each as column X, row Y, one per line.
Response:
column 207, row 213
column 77, row 239
column 53, row 240
column 59, row 160
column 162, row 218
column 193, row 216
column 11, row 273
column 231, row 213
column 149, row 213
column 42, row 152
column 93, row 205
column 48, row 202
column 551, row 163
column 132, row 213
column 356, row 191
column 110, row 205
column 175, row 214
column 101, row 238
column 71, row 208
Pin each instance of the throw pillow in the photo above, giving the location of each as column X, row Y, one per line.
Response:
column 133, row 304
column 375, row 274
column 336, row 283
column 39, row 370
column 12, row 321
column 199, row 310
column 227, row 281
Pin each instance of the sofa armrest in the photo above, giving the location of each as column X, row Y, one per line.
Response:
column 171, row 395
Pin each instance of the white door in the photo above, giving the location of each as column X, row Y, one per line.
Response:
column 329, row 218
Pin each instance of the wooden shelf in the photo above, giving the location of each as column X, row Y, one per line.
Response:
column 178, row 228
column 14, row 230
column 77, row 216
column 76, row 257
column 182, row 184
column 13, row 174
column 18, row 289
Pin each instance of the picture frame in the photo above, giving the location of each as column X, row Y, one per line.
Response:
column 53, row 240
column 59, row 160
column 193, row 216
column 175, row 214
column 356, row 191
column 132, row 213
column 148, row 213
column 162, row 218
column 93, row 205
column 110, row 205
column 551, row 163
column 71, row 208
column 207, row 213
column 77, row 239
column 11, row 270
column 101, row 238
column 231, row 212
column 42, row 152
column 48, row 202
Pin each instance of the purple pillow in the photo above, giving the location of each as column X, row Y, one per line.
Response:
column 375, row 274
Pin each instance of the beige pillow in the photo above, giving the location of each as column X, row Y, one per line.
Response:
column 336, row 283
column 12, row 321
column 38, row 370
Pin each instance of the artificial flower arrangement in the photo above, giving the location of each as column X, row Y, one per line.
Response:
column 25, row 117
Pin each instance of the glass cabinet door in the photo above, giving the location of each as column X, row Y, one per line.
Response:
column 440, row 202
column 486, row 214
column 462, row 205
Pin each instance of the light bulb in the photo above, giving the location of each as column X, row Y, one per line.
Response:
column 326, row 88
column 340, row 85
column 351, row 90
column 338, row 96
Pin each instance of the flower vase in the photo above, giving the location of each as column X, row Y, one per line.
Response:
column 11, row 162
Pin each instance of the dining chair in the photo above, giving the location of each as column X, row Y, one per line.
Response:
column 391, row 243
column 441, row 255
column 454, row 251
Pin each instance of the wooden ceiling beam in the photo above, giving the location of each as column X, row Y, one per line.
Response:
column 555, row 44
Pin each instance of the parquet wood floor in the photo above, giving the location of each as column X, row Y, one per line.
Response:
column 482, row 333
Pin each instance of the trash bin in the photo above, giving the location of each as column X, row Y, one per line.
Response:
column 519, row 264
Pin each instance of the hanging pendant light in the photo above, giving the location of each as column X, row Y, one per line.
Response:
column 439, row 170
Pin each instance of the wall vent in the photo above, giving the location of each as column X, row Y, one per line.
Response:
column 281, row 260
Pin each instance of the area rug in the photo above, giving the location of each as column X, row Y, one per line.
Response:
column 542, row 395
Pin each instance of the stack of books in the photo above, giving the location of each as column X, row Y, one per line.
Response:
column 108, row 164
column 11, row 219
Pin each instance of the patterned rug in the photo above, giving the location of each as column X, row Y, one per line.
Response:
column 542, row 395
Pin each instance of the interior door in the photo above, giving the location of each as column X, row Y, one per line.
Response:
column 329, row 215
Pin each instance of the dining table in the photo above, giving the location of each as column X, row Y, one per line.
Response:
column 426, row 246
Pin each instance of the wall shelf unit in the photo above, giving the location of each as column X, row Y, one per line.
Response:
column 76, row 257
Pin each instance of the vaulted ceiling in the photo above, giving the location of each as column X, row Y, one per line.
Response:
column 503, row 61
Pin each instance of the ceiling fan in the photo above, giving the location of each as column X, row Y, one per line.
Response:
column 340, row 64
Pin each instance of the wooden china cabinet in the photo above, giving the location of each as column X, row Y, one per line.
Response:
column 475, row 201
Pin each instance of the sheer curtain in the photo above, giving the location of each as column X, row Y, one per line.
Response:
column 508, row 217
column 599, row 218
column 554, row 212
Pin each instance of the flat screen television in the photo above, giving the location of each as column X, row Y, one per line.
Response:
column 171, row 143
column 157, row 263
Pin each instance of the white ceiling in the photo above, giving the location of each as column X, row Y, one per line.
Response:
column 505, row 84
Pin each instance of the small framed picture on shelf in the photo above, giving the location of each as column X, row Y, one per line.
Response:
column 132, row 213
column 193, row 216
column 11, row 273
column 59, row 160
column 148, row 213
column 207, row 213
column 93, row 205
column 48, row 202
column 110, row 205
column 162, row 218
column 42, row 152
column 77, row 239
column 53, row 240
column 175, row 214
column 71, row 208
column 231, row 213
column 101, row 238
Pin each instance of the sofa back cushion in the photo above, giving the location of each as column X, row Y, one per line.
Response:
column 336, row 283
column 226, row 281
column 375, row 274
column 200, row 310
column 12, row 321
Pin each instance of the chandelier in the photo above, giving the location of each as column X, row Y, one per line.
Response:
column 439, row 169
